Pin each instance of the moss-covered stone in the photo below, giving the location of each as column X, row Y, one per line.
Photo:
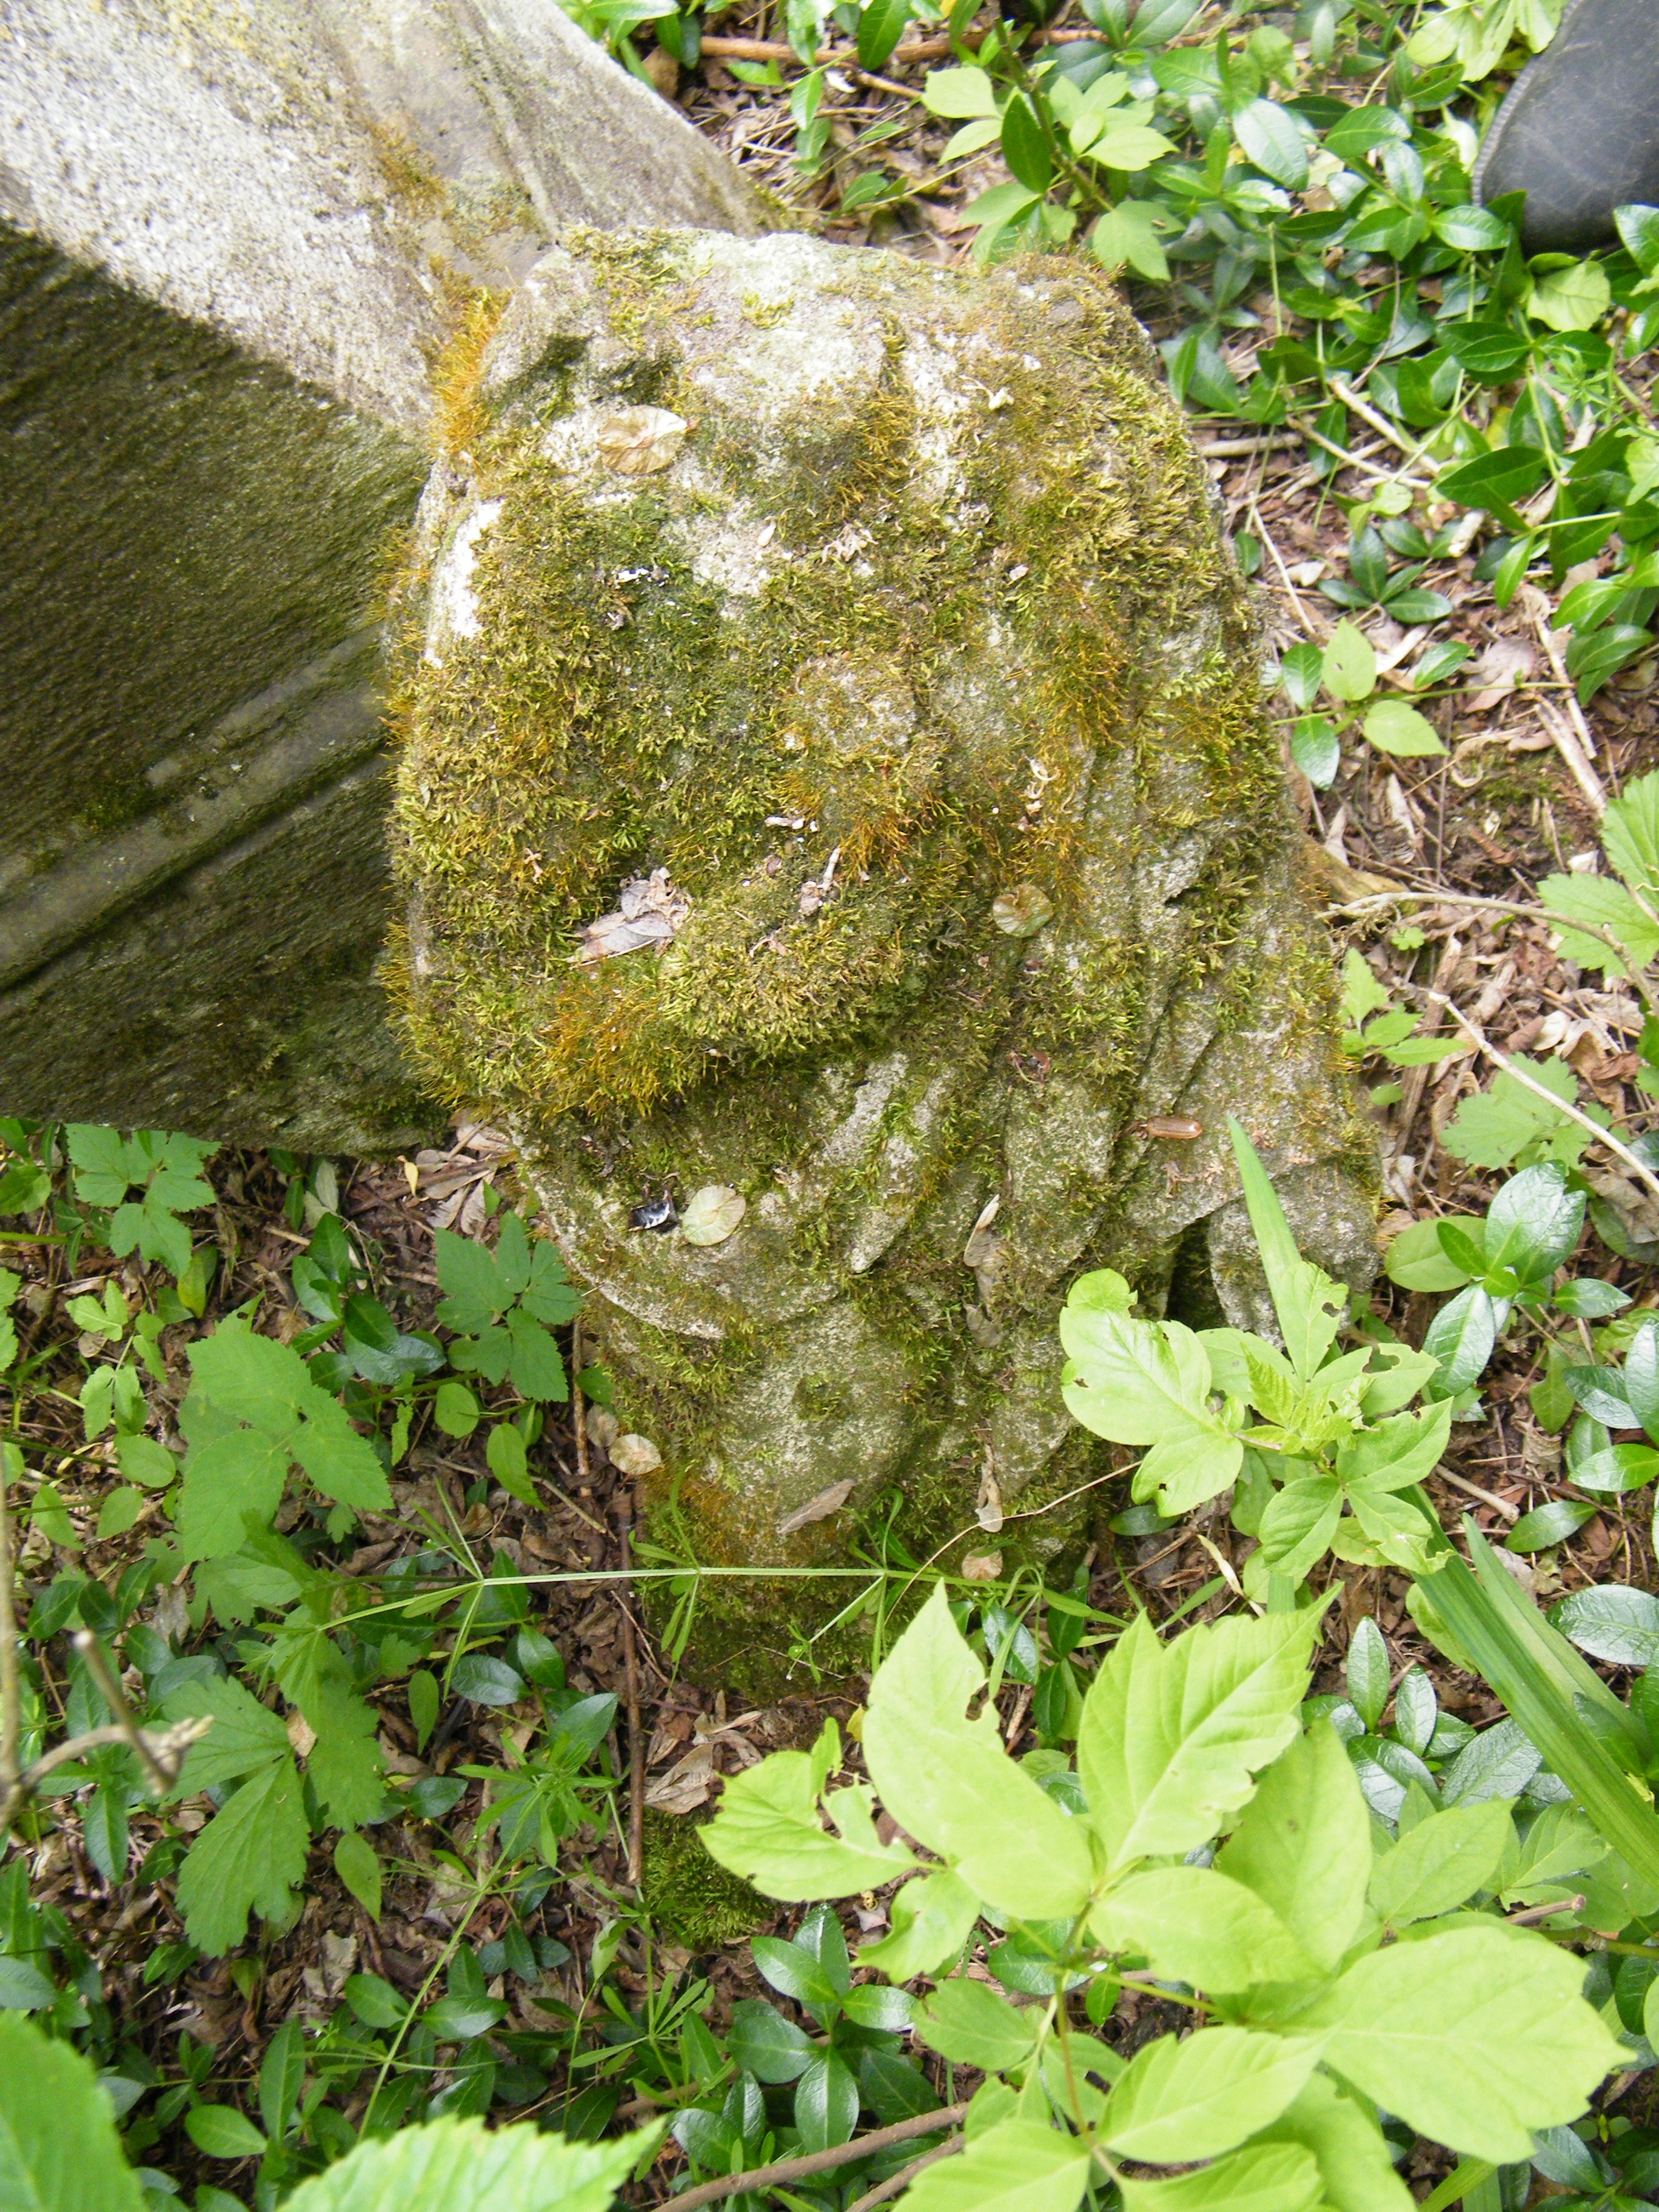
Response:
column 929, row 610
column 689, row 1894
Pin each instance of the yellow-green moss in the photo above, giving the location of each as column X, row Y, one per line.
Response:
column 692, row 1896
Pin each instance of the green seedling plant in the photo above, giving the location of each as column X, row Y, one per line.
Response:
column 1344, row 674
column 1318, row 1444
column 1205, row 1847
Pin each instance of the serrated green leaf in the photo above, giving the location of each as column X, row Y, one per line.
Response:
column 1598, row 903
column 1173, row 1734
column 1492, row 1128
column 967, row 2023
column 461, row 2165
column 59, row 2148
column 929, row 1921
column 949, row 1783
column 476, row 1294
column 1303, row 1844
column 244, row 1738
column 1474, row 2037
column 1202, row 2095
column 249, row 1858
column 1148, row 1384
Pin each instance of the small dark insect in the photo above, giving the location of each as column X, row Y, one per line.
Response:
column 1176, row 1128
column 660, row 1214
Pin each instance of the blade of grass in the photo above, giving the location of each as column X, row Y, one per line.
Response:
column 1535, row 1672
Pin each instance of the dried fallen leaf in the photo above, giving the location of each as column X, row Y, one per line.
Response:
column 988, row 1506
column 634, row 1455
column 637, row 441
column 711, row 1213
column 649, row 910
column 981, row 1567
column 816, row 1508
column 1022, row 911
column 981, row 1245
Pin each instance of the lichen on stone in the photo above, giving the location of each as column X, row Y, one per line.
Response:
column 930, row 607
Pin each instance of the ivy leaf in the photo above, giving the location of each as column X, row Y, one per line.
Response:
column 949, row 1783
column 1172, row 1733
column 59, row 2148
column 1472, row 2037
column 1204, row 2094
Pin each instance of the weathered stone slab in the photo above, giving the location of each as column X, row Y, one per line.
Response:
column 857, row 641
column 235, row 243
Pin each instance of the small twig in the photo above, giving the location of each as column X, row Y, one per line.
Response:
column 820, row 2161
column 1473, row 1490
column 11, row 1705
column 1314, row 625
column 1550, row 643
column 905, row 2176
column 1532, row 1914
column 636, row 1734
column 168, row 1746
column 1567, row 743
column 1368, row 414
column 1237, row 449
column 1604, row 1136
column 98, row 1667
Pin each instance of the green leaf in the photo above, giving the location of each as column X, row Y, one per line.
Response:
column 1126, row 236
column 881, row 26
column 1204, row 2094
column 1494, row 481
column 1472, row 229
column 1173, row 1734
column 23, row 1988
column 1367, row 1671
column 1301, row 1519
column 1303, row 1845
column 1148, row 1384
column 461, row 2165
column 455, row 1409
column 59, row 2148
column 958, row 94
column 826, row 2103
column 1014, row 2167
column 1612, row 1622
column 1350, row 665
column 249, row 1857
column 1441, row 1864
column 1025, row 145
column 1601, row 903
column 929, row 1920
column 374, row 2000
column 536, row 1366
column 1550, row 1524
column 1199, row 1926
column 967, row 2023
column 1461, row 1338
column 1492, row 1128
column 766, row 2044
column 1393, row 727
column 358, row 1865
column 244, row 1738
column 1131, row 148
column 1277, row 2178
column 223, row 2132
column 1356, row 2172
column 282, row 2078
column 1574, row 299
column 768, row 1830
column 1003, row 203
column 344, row 1764
column 1308, row 1305
column 949, row 1784
column 1316, row 749
column 1270, row 138
column 1476, row 2037
column 794, row 1971
column 1630, row 836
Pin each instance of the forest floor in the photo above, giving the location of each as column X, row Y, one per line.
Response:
column 1506, row 805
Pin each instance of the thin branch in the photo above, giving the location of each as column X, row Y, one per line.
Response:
column 11, row 1703
column 1557, row 920
column 901, row 2180
column 818, row 2161
column 1532, row 1914
column 166, row 1745
column 1572, row 751
column 1604, row 1136
column 101, row 1673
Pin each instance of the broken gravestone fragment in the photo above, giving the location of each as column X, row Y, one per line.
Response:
column 897, row 677
column 235, row 241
